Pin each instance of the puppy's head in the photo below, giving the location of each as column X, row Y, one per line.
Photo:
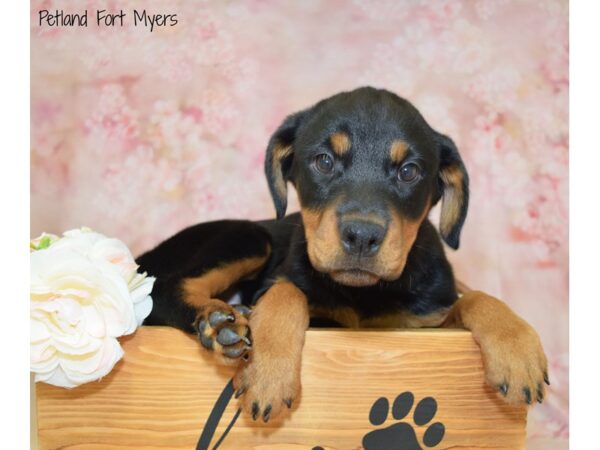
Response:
column 367, row 169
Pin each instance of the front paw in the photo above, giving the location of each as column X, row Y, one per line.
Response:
column 515, row 362
column 267, row 387
column 224, row 329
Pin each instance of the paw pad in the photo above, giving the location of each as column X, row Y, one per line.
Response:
column 401, row 435
column 221, row 331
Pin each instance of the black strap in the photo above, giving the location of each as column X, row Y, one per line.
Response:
column 215, row 416
column 229, row 427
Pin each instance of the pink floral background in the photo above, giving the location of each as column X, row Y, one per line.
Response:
column 139, row 134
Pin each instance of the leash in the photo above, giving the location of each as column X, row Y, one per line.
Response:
column 215, row 416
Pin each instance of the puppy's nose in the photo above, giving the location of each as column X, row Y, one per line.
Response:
column 361, row 238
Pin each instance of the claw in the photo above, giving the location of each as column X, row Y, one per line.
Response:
column 546, row 379
column 267, row 413
column 240, row 391
column 216, row 318
column 243, row 310
column 235, row 352
column 288, row 402
column 527, row 393
column 540, row 394
column 503, row 389
column 254, row 410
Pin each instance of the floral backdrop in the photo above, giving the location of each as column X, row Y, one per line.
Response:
column 139, row 134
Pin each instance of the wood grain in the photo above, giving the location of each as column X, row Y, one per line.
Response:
column 160, row 395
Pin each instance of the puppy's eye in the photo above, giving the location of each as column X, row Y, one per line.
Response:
column 324, row 163
column 409, row 172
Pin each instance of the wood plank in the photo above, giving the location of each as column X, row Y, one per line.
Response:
column 161, row 394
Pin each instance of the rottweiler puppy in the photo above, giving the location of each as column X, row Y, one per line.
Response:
column 361, row 253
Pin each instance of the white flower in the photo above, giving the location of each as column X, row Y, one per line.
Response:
column 85, row 293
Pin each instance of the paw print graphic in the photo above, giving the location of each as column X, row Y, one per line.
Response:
column 401, row 435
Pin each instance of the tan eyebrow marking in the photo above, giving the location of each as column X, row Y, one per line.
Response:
column 340, row 143
column 398, row 150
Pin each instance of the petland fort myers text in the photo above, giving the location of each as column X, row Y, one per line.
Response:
column 104, row 18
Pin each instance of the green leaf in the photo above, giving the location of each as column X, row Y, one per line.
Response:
column 44, row 243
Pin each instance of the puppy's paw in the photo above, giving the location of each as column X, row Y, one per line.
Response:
column 224, row 329
column 267, row 387
column 515, row 362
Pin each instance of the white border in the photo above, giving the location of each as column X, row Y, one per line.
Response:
column 584, row 224
column 584, row 228
column 14, row 194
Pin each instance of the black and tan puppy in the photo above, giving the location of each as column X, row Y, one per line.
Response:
column 361, row 253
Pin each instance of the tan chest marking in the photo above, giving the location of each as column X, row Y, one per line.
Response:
column 348, row 317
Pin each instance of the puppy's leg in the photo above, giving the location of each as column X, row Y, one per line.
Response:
column 270, row 380
column 514, row 360
column 197, row 265
column 221, row 327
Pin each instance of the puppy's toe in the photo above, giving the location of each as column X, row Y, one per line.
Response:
column 223, row 329
column 515, row 364
column 266, row 392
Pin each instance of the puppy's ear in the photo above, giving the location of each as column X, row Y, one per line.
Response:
column 278, row 162
column 453, row 183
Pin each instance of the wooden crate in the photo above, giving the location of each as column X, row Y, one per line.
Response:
column 160, row 396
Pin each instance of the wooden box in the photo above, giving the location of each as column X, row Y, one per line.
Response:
column 167, row 393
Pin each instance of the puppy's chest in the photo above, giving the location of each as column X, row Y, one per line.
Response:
column 352, row 318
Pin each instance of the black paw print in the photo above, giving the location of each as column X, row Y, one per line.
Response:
column 401, row 435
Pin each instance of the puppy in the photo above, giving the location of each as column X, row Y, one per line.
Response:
column 360, row 253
